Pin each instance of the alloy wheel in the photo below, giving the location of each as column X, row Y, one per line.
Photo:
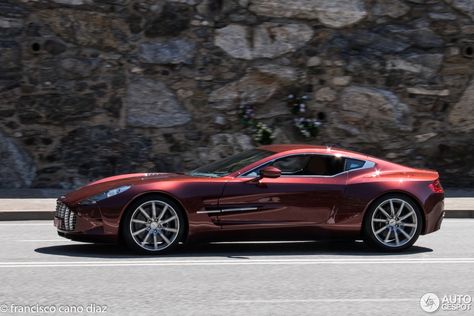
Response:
column 154, row 225
column 394, row 222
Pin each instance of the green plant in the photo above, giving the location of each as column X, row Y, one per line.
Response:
column 297, row 104
column 246, row 115
column 308, row 127
column 263, row 134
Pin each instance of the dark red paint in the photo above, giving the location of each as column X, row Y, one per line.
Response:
column 285, row 207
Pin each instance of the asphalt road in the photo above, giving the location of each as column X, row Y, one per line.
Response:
column 338, row 278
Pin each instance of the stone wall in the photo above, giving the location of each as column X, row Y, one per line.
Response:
column 90, row 88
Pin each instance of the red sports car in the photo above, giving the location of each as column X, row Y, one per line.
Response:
column 279, row 192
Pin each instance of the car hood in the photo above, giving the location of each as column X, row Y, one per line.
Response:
column 105, row 184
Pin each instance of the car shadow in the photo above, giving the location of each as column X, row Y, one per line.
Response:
column 230, row 250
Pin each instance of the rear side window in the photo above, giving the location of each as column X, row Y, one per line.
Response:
column 351, row 164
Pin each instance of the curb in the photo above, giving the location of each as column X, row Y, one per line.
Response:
column 459, row 214
column 26, row 215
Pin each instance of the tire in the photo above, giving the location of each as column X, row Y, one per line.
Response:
column 153, row 225
column 392, row 223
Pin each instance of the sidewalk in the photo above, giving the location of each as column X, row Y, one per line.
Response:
column 39, row 204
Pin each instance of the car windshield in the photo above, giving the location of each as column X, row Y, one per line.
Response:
column 230, row 164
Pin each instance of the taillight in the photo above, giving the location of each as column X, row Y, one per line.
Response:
column 436, row 186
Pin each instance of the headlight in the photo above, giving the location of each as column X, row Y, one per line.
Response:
column 99, row 197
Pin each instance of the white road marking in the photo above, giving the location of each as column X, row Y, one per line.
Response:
column 14, row 223
column 457, row 221
column 43, row 240
column 231, row 261
column 324, row 300
column 26, row 211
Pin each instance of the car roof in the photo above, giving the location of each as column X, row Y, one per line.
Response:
column 298, row 148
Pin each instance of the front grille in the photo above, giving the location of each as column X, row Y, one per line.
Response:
column 66, row 216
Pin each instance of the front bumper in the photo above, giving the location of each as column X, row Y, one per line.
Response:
column 80, row 223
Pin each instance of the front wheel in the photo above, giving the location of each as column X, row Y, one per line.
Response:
column 393, row 223
column 153, row 225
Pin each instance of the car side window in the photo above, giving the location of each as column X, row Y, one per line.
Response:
column 324, row 165
column 306, row 165
column 351, row 164
column 292, row 165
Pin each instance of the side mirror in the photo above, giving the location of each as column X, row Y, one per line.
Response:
column 270, row 172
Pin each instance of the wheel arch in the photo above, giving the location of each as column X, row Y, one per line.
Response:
column 412, row 197
column 155, row 193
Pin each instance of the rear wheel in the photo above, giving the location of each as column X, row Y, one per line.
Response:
column 153, row 225
column 393, row 223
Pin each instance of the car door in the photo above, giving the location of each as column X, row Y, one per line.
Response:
column 305, row 195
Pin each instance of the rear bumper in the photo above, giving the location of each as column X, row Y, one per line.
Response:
column 434, row 213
